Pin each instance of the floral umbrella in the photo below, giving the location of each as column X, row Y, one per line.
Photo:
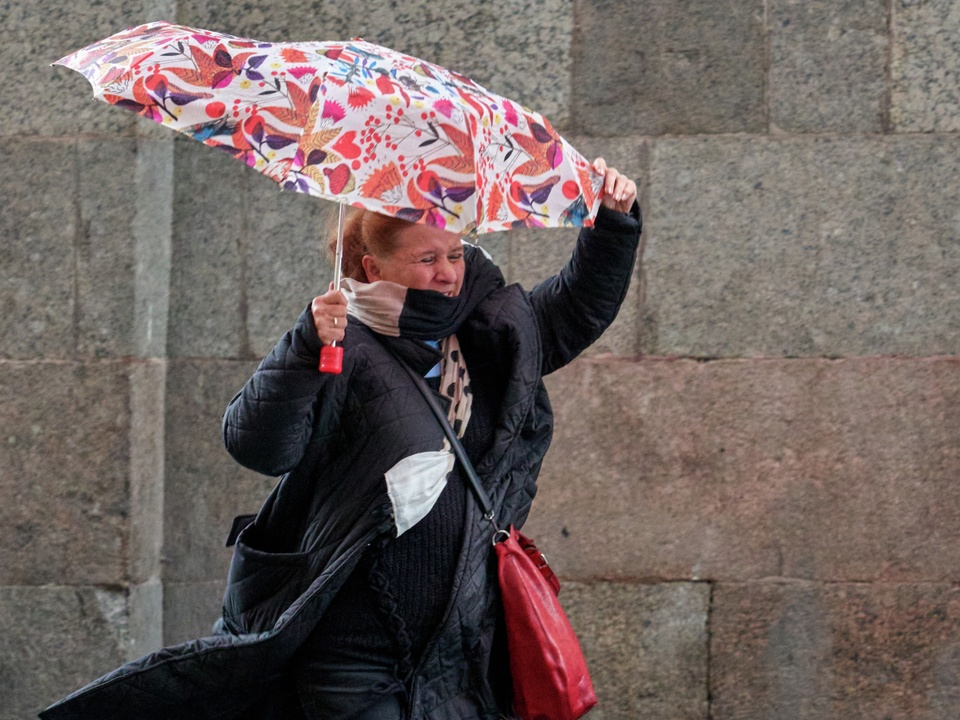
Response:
column 351, row 121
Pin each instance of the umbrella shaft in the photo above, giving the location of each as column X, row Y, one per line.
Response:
column 338, row 255
column 338, row 259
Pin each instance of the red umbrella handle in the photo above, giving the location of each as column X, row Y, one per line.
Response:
column 331, row 359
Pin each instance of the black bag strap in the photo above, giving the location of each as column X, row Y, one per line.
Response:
column 482, row 497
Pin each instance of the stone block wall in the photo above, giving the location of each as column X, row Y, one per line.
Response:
column 752, row 495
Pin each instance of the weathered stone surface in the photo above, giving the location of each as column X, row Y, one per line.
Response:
column 524, row 53
column 56, row 639
column 70, row 273
column 38, row 223
column 64, row 465
column 497, row 246
column 147, row 438
column 828, row 66
column 105, row 250
column 144, row 623
column 285, row 256
column 190, row 609
column 799, row 247
column 35, row 33
column 538, row 254
column 737, row 470
column 828, row 652
column 208, row 304
column 152, row 239
column 535, row 255
column 205, row 488
column 695, row 66
column 835, row 477
column 247, row 258
column 925, row 66
column 646, row 647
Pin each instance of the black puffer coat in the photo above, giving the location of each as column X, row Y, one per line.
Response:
column 332, row 437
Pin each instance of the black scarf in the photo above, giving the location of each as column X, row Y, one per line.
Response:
column 396, row 311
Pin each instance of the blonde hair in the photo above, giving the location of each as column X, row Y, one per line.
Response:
column 364, row 233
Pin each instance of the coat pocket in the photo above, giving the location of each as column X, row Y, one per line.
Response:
column 261, row 585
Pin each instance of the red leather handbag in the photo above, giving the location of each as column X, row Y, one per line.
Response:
column 550, row 678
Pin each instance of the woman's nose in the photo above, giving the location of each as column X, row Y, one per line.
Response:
column 446, row 272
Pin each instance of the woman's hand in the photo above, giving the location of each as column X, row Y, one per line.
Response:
column 618, row 192
column 329, row 316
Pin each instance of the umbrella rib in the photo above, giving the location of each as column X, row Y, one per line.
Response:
column 160, row 103
column 445, row 209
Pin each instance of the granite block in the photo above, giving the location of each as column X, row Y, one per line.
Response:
column 285, row 255
column 270, row 22
column 517, row 49
column 527, row 61
column 737, row 470
column 191, row 609
column 828, row 66
column 523, row 50
column 38, row 224
column 497, row 246
column 147, row 438
column 35, row 33
column 538, row 254
column 246, row 259
column 856, row 652
column 105, row 251
column 645, row 645
column 207, row 301
column 152, row 233
column 64, row 473
column 144, row 623
column 204, row 488
column 71, row 275
column 925, row 66
column 695, row 66
column 57, row 639
column 801, row 247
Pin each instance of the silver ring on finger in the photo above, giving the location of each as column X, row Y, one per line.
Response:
column 335, row 322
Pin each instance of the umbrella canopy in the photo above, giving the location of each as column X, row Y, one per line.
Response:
column 354, row 122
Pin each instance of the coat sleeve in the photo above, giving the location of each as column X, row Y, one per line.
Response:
column 268, row 424
column 574, row 307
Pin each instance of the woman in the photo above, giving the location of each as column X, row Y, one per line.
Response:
column 410, row 624
column 366, row 587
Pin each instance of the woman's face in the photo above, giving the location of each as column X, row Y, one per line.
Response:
column 424, row 258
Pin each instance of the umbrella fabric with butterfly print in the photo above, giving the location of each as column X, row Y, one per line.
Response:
column 351, row 121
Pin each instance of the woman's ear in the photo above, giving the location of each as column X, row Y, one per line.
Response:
column 371, row 268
